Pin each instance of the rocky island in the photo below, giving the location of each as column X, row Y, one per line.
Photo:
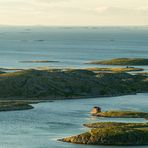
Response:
column 73, row 83
column 39, row 61
column 51, row 84
column 126, row 134
column 122, row 61
column 113, row 133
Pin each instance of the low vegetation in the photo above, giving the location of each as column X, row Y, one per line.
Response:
column 115, row 124
column 123, row 61
column 14, row 105
column 129, row 69
column 122, row 114
column 113, row 134
column 72, row 83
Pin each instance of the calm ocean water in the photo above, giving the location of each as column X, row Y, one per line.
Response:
column 47, row 122
column 42, row 126
column 71, row 46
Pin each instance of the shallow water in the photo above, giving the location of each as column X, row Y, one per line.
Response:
column 47, row 122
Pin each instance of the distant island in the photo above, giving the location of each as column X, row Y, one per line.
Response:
column 122, row 61
column 39, row 61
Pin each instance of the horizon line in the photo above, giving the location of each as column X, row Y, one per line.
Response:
column 67, row 26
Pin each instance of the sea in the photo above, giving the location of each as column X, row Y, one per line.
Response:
column 72, row 47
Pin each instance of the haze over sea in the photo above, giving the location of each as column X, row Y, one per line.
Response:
column 71, row 46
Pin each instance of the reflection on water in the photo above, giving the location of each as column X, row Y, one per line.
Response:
column 42, row 126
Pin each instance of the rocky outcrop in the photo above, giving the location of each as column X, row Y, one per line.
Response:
column 112, row 135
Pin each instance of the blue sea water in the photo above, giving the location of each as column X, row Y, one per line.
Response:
column 42, row 126
column 47, row 122
column 71, row 46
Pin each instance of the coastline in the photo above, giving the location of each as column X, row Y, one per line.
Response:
column 35, row 86
column 31, row 101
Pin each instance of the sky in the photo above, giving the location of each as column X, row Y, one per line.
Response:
column 74, row 12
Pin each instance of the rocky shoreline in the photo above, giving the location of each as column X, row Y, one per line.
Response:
column 55, row 84
column 113, row 133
